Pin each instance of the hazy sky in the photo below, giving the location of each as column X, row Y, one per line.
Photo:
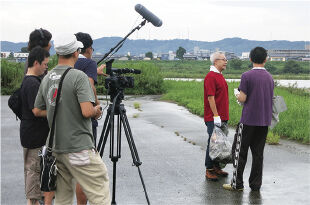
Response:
column 202, row 20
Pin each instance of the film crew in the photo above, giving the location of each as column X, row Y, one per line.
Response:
column 216, row 108
column 89, row 67
column 39, row 37
column 76, row 156
column 256, row 92
column 33, row 130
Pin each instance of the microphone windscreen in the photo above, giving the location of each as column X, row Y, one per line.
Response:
column 149, row 16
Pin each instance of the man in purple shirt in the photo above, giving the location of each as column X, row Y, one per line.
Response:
column 256, row 92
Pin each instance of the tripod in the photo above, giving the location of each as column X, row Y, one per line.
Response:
column 108, row 128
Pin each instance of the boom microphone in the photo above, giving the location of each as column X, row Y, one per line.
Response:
column 149, row 16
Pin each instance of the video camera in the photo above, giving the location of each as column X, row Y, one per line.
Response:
column 116, row 81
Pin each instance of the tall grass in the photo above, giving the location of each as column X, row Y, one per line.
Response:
column 294, row 123
column 12, row 74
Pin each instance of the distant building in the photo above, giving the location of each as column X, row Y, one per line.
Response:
column 196, row 50
column 284, row 55
column 305, row 59
column 21, row 57
column 230, row 55
column 5, row 54
column 97, row 57
column 155, row 55
column 171, row 55
column 123, row 58
column 245, row 55
column 202, row 54
column 189, row 56
column 164, row 56
column 307, row 47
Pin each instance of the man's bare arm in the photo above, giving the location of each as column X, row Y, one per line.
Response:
column 241, row 97
column 38, row 112
column 92, row 83
column 213, row 105
column 88, row 110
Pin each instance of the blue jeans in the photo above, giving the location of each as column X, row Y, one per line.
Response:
column 208, row 162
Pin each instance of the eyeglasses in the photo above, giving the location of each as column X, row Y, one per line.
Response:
column 78, row 50
column 224, row 59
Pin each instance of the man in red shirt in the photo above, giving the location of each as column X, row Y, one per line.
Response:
column 216, row 111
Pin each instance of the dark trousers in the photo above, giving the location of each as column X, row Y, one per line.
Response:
column 253, row 137
column 208, row 161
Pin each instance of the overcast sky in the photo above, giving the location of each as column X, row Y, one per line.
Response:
column 202, row 20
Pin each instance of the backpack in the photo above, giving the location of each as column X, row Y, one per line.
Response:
column 15, row 103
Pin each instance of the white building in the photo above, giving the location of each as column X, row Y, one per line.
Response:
column 21, row 55
column 245, row 55
column 171, row 55
column 196, row 50
column 284, row 55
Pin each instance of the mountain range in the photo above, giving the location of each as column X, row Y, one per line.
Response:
column 141, row 46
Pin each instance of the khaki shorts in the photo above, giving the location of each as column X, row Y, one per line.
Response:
column 86, row 168
column 32, row 173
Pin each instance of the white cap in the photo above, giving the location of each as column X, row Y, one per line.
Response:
column 66, row 44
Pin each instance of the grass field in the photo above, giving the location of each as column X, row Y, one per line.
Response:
column 294, row 123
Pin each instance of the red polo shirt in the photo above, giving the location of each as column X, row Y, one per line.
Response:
column 215, row 85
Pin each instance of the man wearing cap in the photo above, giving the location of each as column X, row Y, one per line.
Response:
column 73, row 141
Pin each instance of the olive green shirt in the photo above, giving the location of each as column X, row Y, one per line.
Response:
column 73, row 132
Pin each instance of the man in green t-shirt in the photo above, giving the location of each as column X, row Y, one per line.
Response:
column 73, row 140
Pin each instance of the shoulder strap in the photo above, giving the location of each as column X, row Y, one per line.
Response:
column 50, row 143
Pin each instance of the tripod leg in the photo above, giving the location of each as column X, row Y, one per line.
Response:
column 114, row 182
column 104, row 134
column 132, row 146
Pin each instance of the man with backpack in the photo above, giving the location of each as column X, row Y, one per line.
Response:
column 33, row 130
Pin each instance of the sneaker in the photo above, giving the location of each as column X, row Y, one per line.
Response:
column 210, row 175
column 220, row 172
column 230, row 188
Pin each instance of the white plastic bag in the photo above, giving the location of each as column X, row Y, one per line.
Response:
column 220, row 147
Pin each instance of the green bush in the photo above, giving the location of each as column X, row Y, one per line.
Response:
column 272, row 138
column 12, row 74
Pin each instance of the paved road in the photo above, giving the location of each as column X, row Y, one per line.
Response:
column 172, row 167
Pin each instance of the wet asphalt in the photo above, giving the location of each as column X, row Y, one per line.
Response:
column 171, row 145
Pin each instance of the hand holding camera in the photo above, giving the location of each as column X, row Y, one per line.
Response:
column 98, row 110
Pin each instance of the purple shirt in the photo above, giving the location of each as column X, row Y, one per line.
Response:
column 258, row 85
